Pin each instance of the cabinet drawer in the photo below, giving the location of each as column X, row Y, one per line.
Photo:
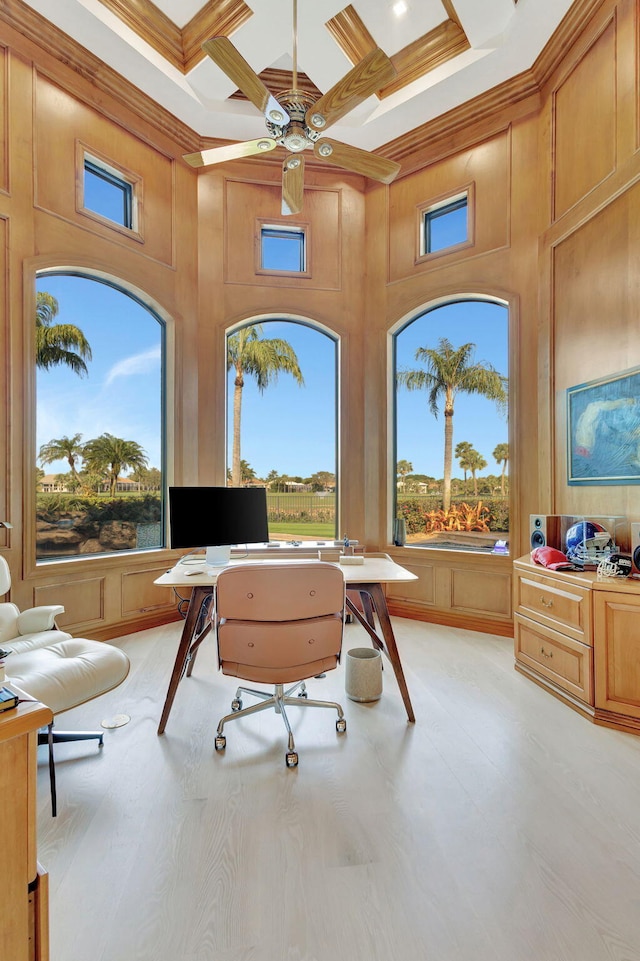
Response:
column 560, row 606
column 561, row 659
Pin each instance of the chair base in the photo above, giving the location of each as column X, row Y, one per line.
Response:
column 278, row 700
column 51, row 737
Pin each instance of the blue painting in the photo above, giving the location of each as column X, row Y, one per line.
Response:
column 603, row 424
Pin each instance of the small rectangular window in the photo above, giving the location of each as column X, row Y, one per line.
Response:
column 107, row 194
column 445, row 225
column 282, row 249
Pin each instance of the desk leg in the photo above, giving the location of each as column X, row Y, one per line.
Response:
column 198, row 595
column 388, row 641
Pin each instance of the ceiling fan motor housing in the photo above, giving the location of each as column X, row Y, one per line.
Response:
column 296, row 135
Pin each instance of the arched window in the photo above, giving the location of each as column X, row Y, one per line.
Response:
column 451, row 480
column 99, row 419
column 282, row 423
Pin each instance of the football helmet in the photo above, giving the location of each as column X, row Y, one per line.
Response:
column 588, row 542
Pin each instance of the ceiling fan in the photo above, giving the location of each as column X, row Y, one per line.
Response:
column 296, row 121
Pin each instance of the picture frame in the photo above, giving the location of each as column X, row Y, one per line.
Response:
column 603, row 430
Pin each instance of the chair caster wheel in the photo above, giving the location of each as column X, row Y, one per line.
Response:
column 291, row 758
column 236, row 704
column 221, row 742
column 304, row 694
column 341, row 725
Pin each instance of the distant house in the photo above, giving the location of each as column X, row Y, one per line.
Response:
column 50, row 485
column 124, row 484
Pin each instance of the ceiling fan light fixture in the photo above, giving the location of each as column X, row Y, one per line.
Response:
column 325, row 149
column 318, row 120
column 293, row 162
column 264, row 144
column 276, row 116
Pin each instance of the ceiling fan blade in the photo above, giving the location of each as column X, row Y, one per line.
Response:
column 372, row 73
column 292, row 185
column 225, row 55
column 232, row 151
column 359, row 161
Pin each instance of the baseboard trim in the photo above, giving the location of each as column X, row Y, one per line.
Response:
column 481, row 624
column 110, row 631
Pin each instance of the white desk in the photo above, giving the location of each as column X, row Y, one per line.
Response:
column 365, row 580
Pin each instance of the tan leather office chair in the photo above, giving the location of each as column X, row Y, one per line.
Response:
column 55, row 668
column 279, row 623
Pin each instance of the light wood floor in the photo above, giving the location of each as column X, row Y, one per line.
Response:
column 501, row 827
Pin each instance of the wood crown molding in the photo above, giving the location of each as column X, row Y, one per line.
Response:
column 464, row 123
column 523, row 92
column 183, row 47
column 571, row 27
column 416, row 148
column 180, row 47
column 416, row 59
column 31, row 26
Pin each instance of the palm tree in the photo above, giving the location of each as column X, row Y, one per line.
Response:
column 461, row 452
column 450, row 371
column 247, row 472
column 264, row 359
column 476, row 462
column 63, row 448
column 111, row 455
column 58, row 344
column 403, row 467
column 501, row 455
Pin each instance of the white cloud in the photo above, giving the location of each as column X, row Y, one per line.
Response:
column 142, row 363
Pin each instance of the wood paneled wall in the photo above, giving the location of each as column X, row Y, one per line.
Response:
column 552, row 183
column 590, row 251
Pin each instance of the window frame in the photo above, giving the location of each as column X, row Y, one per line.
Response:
column 337, row 342
column 511, row 306
column 439, row 206
column 33, row 565
column 264, row 226
column 110, row 172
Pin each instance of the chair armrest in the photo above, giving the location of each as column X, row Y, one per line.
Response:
column 38, row 618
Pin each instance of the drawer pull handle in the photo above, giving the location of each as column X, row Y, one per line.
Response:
column 544, row 602
column 546, row 653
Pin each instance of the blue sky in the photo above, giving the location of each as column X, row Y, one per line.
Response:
column 121, row 395
column 420, row 436
column 285, row 410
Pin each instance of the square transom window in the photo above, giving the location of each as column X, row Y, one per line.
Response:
column 282, row 249
column 108, row 194
column 445, row 225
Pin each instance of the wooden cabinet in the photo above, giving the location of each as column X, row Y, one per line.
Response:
column 24, row 934
column 579, row 637
column 557, row 657
column 559, row 604
column 617, row 669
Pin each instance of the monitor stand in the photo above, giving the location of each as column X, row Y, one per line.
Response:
column 218, row 556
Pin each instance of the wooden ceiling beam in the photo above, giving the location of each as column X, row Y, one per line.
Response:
column 435, row 47
column 180, row 47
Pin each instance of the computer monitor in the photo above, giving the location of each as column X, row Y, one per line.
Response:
column 217, row 518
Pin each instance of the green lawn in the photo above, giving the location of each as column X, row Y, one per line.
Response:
column 320, row 532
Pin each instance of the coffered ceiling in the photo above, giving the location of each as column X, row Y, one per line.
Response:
column 445, row 52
